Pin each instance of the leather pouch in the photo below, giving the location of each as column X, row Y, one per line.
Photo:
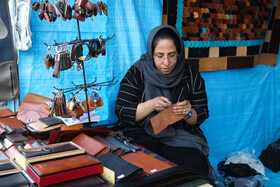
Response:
column 78, row 17
column 164, row 119
column 6, row 113
column 113, row 147
column 63, row 164
column 82, row 3
column 91, row 145
column 150, row 164
column 32, row 111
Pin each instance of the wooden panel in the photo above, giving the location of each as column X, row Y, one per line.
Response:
column 213, row 64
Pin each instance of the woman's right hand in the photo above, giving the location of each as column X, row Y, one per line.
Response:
column 161, row 103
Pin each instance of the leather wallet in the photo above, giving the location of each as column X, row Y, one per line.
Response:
column 91, row 145
column 124, row 171
column 149, row 164
column 50, row 121
column 12, row 122
column 165, row 118
column 63, row 164
column 31, row 111
column 16, row 179
column 117, row 150
column 126, row 147
column 16, row 138
column 6, row 112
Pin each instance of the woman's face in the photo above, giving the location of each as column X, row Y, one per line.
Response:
column 165, row 56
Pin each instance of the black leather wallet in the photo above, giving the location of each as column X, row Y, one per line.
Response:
column 16, row 138
column 50, row 121
column 124, row 171
column 16, row 179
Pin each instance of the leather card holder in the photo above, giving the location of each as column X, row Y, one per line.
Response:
column 16, row 138
column 50, row 121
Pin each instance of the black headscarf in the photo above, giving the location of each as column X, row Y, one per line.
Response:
column 156, row 83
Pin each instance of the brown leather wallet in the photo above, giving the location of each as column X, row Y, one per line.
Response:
column 164, row 118
column 149, row 164
column 6, row 112
column 63, row 164
column 91, row 145
column 12, row 122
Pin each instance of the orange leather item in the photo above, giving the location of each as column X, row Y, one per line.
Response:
column 91, row 145
column 164, row 118
column 57, row 165
column 6, row 112
column 72, row 127
column 35, row 98
column 12, row 122
column 149, row 164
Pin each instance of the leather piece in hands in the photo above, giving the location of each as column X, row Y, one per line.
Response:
column 63, row 164
column 124, row 171
column 12, row 122
column 150, row 164
column 117, row 150
column 50, row 121
column 6, row 112
column 31, row 111
column 16, row 179
column 165, row 118
column 91, row 145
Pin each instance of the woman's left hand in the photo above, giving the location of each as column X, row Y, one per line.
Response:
column 182, row 108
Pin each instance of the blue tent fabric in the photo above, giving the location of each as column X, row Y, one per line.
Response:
column 244, row 104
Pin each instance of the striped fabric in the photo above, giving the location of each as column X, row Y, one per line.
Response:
column 132, row 93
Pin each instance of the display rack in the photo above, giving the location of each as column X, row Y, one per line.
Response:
column 84, row 86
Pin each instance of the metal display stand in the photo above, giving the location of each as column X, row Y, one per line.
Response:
column 84, row 86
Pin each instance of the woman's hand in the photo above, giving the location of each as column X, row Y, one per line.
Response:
column 183, row 107
column 161, row 103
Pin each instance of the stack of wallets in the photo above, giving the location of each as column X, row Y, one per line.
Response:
column 149, row 164
column 46, row 152
column 11, row 174
column 118, row 170
column 64, row 169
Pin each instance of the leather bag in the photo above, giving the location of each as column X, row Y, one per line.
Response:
column 32, row 111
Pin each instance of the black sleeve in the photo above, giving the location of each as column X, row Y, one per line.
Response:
column 129, row 96
column 199, row 96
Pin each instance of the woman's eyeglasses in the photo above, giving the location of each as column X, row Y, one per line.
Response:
column 171, row 57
